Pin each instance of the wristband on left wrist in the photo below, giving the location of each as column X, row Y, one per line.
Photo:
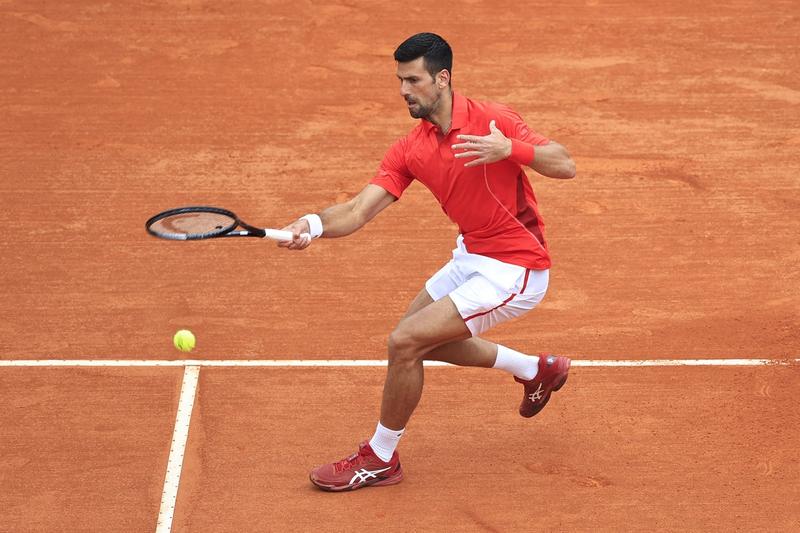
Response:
column 522, row 152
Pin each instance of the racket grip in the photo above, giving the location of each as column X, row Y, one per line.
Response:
column 281, row 235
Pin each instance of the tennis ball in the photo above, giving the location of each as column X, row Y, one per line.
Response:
column 184, row 340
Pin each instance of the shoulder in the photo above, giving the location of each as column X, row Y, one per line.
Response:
column 507, row 119
column 503, row 111
column 402, row 149
column 488, row 106
column 410, row 140
column 489, row 110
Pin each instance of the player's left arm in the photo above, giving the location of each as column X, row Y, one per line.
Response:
column 551, row 159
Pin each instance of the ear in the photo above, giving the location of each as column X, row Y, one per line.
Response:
column 443, row 78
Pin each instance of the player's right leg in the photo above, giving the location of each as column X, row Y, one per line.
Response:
column 468, row 352
column 377, row 462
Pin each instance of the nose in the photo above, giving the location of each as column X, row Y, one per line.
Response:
column 404, row 89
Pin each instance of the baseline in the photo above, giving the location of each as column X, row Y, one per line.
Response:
column 285, row 363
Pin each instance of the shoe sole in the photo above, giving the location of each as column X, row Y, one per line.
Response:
column 557, row 388
column 392, row 480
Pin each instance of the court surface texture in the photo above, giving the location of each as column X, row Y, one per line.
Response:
column 674, row 288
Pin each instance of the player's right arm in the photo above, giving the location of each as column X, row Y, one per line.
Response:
column 343, row 219
column 391, row 180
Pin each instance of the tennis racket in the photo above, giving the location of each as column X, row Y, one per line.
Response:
column 204, row 222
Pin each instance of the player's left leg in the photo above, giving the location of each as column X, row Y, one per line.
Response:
column 477, row 301
column 489, row 297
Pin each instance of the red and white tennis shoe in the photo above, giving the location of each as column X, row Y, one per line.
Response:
column 552, row 375
column 362, row 469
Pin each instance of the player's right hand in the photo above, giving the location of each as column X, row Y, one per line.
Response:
column 298, row 227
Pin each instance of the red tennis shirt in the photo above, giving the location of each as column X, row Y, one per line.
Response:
column 493, row 205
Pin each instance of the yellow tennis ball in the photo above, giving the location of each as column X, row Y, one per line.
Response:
column 184, row 340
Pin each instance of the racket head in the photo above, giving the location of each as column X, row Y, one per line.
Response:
column 192, row 223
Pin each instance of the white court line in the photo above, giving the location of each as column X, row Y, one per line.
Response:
column 176, row 451
column 286, row 363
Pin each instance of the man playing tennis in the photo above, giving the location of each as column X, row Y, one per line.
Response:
column 470, row 155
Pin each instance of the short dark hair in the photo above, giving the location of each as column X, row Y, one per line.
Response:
column 434, row 49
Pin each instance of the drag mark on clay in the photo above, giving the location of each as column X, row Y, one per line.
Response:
column 46, row 23
column 569, row 474
column 479, row 521
column 771, row 91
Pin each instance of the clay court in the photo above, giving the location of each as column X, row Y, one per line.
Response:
column 674, row 288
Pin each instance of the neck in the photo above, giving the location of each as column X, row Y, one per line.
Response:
column 443, row 116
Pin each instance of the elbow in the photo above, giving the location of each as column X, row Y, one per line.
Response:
column 562, row 166
column 570, row 170
column 567, row 170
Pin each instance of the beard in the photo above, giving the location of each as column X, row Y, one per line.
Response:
column 418, row 110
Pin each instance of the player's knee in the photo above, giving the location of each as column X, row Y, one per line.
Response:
column 402, row 347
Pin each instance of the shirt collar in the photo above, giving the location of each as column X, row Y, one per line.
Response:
column 458, row 116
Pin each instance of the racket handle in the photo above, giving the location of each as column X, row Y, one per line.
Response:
column 281, row 235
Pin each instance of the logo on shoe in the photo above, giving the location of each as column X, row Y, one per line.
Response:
column 364, row 474
column 536, row 395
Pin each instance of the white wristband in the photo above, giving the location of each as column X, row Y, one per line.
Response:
column 314, row 225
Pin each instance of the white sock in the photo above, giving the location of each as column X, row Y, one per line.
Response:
column 521, row 365
column 384, row 442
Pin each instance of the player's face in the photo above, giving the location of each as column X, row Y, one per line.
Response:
column 418, row 88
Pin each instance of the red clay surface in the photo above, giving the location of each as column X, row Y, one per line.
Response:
column 84, row 449
column 619, row 449
column 679, row 238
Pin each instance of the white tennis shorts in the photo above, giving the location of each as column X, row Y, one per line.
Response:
column 486, row 291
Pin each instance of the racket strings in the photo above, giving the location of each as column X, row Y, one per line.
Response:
column 193, row 225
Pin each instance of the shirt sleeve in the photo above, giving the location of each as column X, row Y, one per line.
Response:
column 393, row 174
column 512, row 125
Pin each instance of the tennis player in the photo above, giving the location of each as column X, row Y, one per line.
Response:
column 470, row 155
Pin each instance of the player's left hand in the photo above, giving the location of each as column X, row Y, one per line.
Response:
column 486, row 149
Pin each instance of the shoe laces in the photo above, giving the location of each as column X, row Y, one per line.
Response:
column 349, row 462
